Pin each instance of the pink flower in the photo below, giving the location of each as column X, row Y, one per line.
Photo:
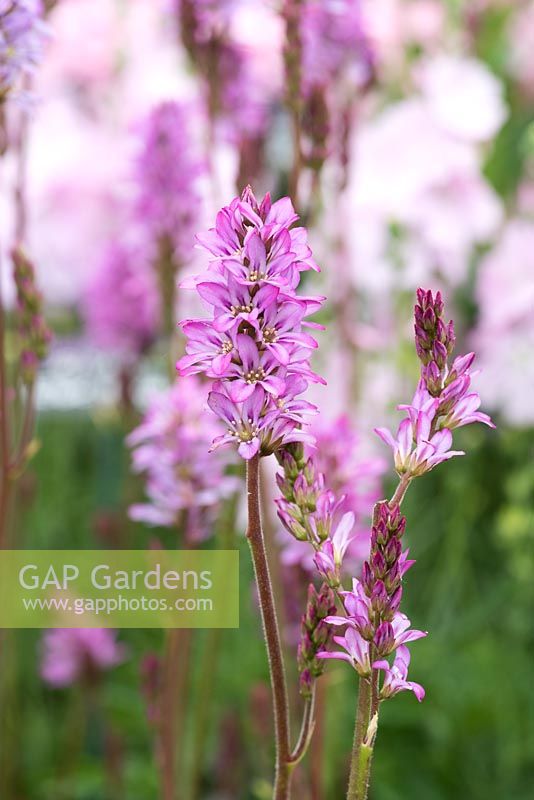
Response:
column 360, row 606
column 184, row 483
column 329, row 558
column 395, row 676
column 442, row 401
column 239, row 94
column 209, row 350
column 371, row 610
column 69, row 655
column 254, row 343
column 415, row 449
column 350, row 470
column 505, row 289
column 252, row 423
column 356, row 651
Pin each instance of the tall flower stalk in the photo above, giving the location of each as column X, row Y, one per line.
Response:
column 168, row 201
column 22, row 36
column 255, row 349
column 372, row 628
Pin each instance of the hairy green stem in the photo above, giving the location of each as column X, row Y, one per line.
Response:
column 364, row 771
column 363, row 715
column 271, row 633
column 401, row 490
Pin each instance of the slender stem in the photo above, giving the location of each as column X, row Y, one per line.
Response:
column 208, row 669
column 363, row 715
column 168, row 703
column 176, row 669
column 375, row 692
column 306, row 730
column 364, row 771
column 293, row 57
column 203, row 711
column 4, row 428
column 400, row 491
column 271, row 633
column 167, row 275
column 317, row 745
column 19, row 200
column 297, row 156
column 26, row 433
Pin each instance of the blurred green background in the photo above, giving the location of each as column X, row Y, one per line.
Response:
column 471, row 530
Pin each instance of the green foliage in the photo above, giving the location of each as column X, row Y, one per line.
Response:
column 470, row 526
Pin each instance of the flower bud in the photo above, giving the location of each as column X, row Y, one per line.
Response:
column 392, row 551
column 378, row 563
column 367, row 579
column 379, row 597
column 384, row 639
column 305, row 683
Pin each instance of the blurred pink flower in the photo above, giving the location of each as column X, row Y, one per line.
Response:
column 451, row 217
column 394, row 25
column 391, row 185
column 185, row 483
column 334, row 44
column 505, row 284
column 168, row 169
column 83, row 26
column 22, row 35
column 77, row 166
column 505, row 335
column 506, row 361
column 463, row 96
column 436, row 192
column 351, row 472
column 121, row 303
column 521, row 50
column 239, row 89
column 69, row 655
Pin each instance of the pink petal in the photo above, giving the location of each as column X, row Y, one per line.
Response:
column 249, row 449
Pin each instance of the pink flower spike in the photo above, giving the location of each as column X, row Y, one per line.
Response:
column 253, row 343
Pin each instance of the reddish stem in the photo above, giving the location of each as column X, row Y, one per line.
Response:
column 271, row 633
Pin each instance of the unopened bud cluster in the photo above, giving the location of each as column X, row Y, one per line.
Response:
column 382, row 577
column 32, row 328
column 434, row 339
column 306, row 507
column 299, row 488
column 315, row 636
